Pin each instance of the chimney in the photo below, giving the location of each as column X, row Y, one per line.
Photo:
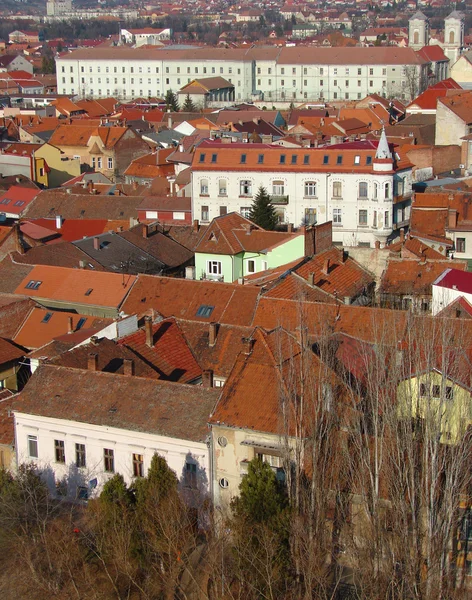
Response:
column 290, row 228
column 248, row 345
column 70, row 325
column 92, row 361
column 196, row 225
column 310, row 241
column 452, row 218
column 90, row 186
column 402, row 234
column 135, row 185
column 94, row 340
column 17, row 238
column 149, row 334
column 145, row 231
column 169, row 121
column 96, row 243
column 119, row 229
column 58, row 221
column 207, row 378
column 82, row 264
column 325, row 269
column 377, row 244
column 213, row 330
column 128, row 366
column 311, row 278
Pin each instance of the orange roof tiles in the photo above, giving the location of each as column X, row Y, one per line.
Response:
column 182, row 298
column 42, row 325
column 413, row 277
column 9, row 351
column 77, row 286
column 170, row 355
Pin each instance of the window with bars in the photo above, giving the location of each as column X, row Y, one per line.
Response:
column 109, row 460
column 138, row 465
column 80, row 455
column 60, row 451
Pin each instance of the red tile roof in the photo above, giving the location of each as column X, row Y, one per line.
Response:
column 122, row 402
column 170, row 355
column 9, row 352
column 72, row 230
column 17, row 199
column 182, row 298
column 411, row 277
column 77, row 286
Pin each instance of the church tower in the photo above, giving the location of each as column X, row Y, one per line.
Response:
column 418, row 31
column 453, row 36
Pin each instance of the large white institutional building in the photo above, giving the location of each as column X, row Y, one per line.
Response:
column 270, row 74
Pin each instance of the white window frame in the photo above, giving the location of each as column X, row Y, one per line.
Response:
column 337, row 216
column 214, row 268
column 310, row 189
column 251, row 262
column 32, row 439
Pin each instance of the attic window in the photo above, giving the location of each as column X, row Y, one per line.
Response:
column 205, row 311
column 47, row 317
column 19, row 203
column 213, row 158
column 339, row 159
column 306, row 159
column 89, row 291
column 357, row 159
column 260, row 159
column 368, row 160
column 33, row 285
column 5, row 201
column 282, row 159
column 202, row 157
column 80, row 323
column 82, row 212
column 243, row 159
column 325, row 159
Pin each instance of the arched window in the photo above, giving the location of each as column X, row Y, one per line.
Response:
column 451, row 37
column 387, row 190
column 416, row 37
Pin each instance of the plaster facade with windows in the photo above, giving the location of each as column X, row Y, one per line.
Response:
column 260, row 73
column 80, row 453
column 362, row 188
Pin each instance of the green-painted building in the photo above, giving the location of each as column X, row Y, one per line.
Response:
column 233, row 247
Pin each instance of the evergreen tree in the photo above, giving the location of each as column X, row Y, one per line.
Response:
column 171, row 101
column 160, row 483
column 261, row 498
column 188, row 105
column 262, row 212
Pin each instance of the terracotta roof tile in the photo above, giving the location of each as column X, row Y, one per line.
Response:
column 118, row 401
column 77, row 286
column 42, row 325
column 170, row 355
column 183, row 298
column 61, row 254
column 405, row 277
column 9, row 351
column 12, row 274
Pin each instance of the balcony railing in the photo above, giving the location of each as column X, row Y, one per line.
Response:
column 279, row 199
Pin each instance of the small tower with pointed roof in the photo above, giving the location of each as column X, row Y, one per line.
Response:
column 418, row 31
column 383, row 160
column 453, row 36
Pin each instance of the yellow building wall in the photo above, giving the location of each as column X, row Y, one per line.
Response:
column 61, row 170
column 8, row 377
column 41, row 175
column 461, row 71
column 449, row 416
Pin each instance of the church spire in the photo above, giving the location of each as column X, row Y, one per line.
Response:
column 383, row 150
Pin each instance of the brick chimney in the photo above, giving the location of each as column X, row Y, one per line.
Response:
column 212, row 333
column 325, row 269
column 196, row 225
column 96, row 243
column 311, row 278
column 402, row 234
column 70, row 325
column 207, row 378
column 92, row 363
column 128, row 366
column 90, row 186
column 290, row 228
column 149, row 333
column 145, row 231
column 17, row 239
column 135, row 185
column 309, row 241
column 452, row 218
column 248, row 345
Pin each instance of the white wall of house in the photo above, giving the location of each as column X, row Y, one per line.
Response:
column 96, row 439
column 338, row 198
column 443, row 296
column 151, row 76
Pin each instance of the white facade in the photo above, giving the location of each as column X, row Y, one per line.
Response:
column 445, row 295
column 39, row 433
column 361, row 205
column 269, row 75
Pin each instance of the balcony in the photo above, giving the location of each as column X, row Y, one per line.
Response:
column 279, row 199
